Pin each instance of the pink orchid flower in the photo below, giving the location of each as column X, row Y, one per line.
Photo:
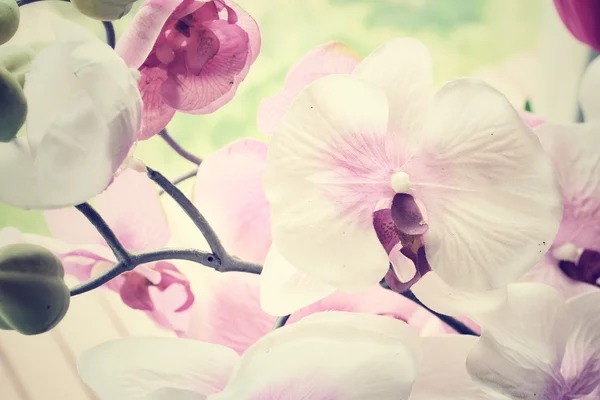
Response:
column 373, row 167
column 242, row 223
column 582, row 19
column 132, row 209
column 192, row 55
column 573, row 263
column 333, row 355
column 539, row 346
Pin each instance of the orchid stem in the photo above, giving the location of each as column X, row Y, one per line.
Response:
column 109, row 236
column 228, row 262
column 280, row 322
column 180, row 179
column 178, row 149
column 450, row 321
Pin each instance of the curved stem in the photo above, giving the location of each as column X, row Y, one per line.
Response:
column 121, row 267
column 281, row 321
column 178, row 149
column 111, row 37
column 180, row 179
column 191, row 211
column 104, row 230
column 450, row 321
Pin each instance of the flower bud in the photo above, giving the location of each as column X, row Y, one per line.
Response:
column 9, row 19
column 33, row 295
column 103, row 10
column 17, row 60
column 13, row 106
column 582, row 19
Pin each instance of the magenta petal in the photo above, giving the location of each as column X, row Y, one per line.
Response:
column 407, row 216
column 156, row 114
column 170, row 275
column 134, row 292
column 249, row 25
column 419, row 259
column 582, row 19
column 385, row 229
column 189, row 92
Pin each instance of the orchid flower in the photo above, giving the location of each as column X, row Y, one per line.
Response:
column 581, row 19
column 573, row 263
column 192, row 55
column 539, row 346
column 369, row 168
column 332, row 355
column 132, row 208
column 84, row 110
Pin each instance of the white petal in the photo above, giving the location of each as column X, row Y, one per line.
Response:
column 329, row 355
column 439, row 296
column 284, row 289
column 572, row 148
column 84, row 110
column 321, row 181
column 442, row 372
column 581, row 365
column 402, row 67
column 588, row 92
column 492, row 200
column 522, row 344
column 174, row 394
column 130, row 369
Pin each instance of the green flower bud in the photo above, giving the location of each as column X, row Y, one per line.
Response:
column 9, row 19
column 13, row 106
column 103, row 10
column 17, row 60
column 33, row 295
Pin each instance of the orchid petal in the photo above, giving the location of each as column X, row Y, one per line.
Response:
column 329, row 355
column 131, row 369
column 157, row 114
column 229, row 194
column 319, row 181
column 492, row 201
column 522, row 344
column 174, row 394
column 403, row 68
column 284, row 289
column 326, row 59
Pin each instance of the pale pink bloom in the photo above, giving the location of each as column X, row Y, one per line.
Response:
column 367, row 168
column 229, row 193
column 537, row 346
column 83, row 112
column 573, row 263
column 329, row 58
column 132, row 209
column 325, row 356
column 191, row 54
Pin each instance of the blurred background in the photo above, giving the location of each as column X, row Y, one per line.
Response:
column 518, row 46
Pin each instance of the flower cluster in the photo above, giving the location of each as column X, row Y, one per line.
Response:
column 388, row 241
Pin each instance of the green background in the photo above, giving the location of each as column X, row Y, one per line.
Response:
column 463, row 35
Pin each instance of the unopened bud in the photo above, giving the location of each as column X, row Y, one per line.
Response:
column 33, row 295
column 13, row 106
column 9, row 19
column 17, row 60
column 103, row 10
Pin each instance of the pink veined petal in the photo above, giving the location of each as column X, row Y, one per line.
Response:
column 131, row 369
column 329, row 356
column 327, row 168
column 522, row 345
column 588, row 95
column 249, row 25
column 571, row 148
column 189, row 92
column 329, row 58
column 442, row 372
column 547, row 271
column 157, row 114
column 581, row 364
column 131, row 208
column 137, row 41
column 402, row 67
column 229, row 193
column 490, row 192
